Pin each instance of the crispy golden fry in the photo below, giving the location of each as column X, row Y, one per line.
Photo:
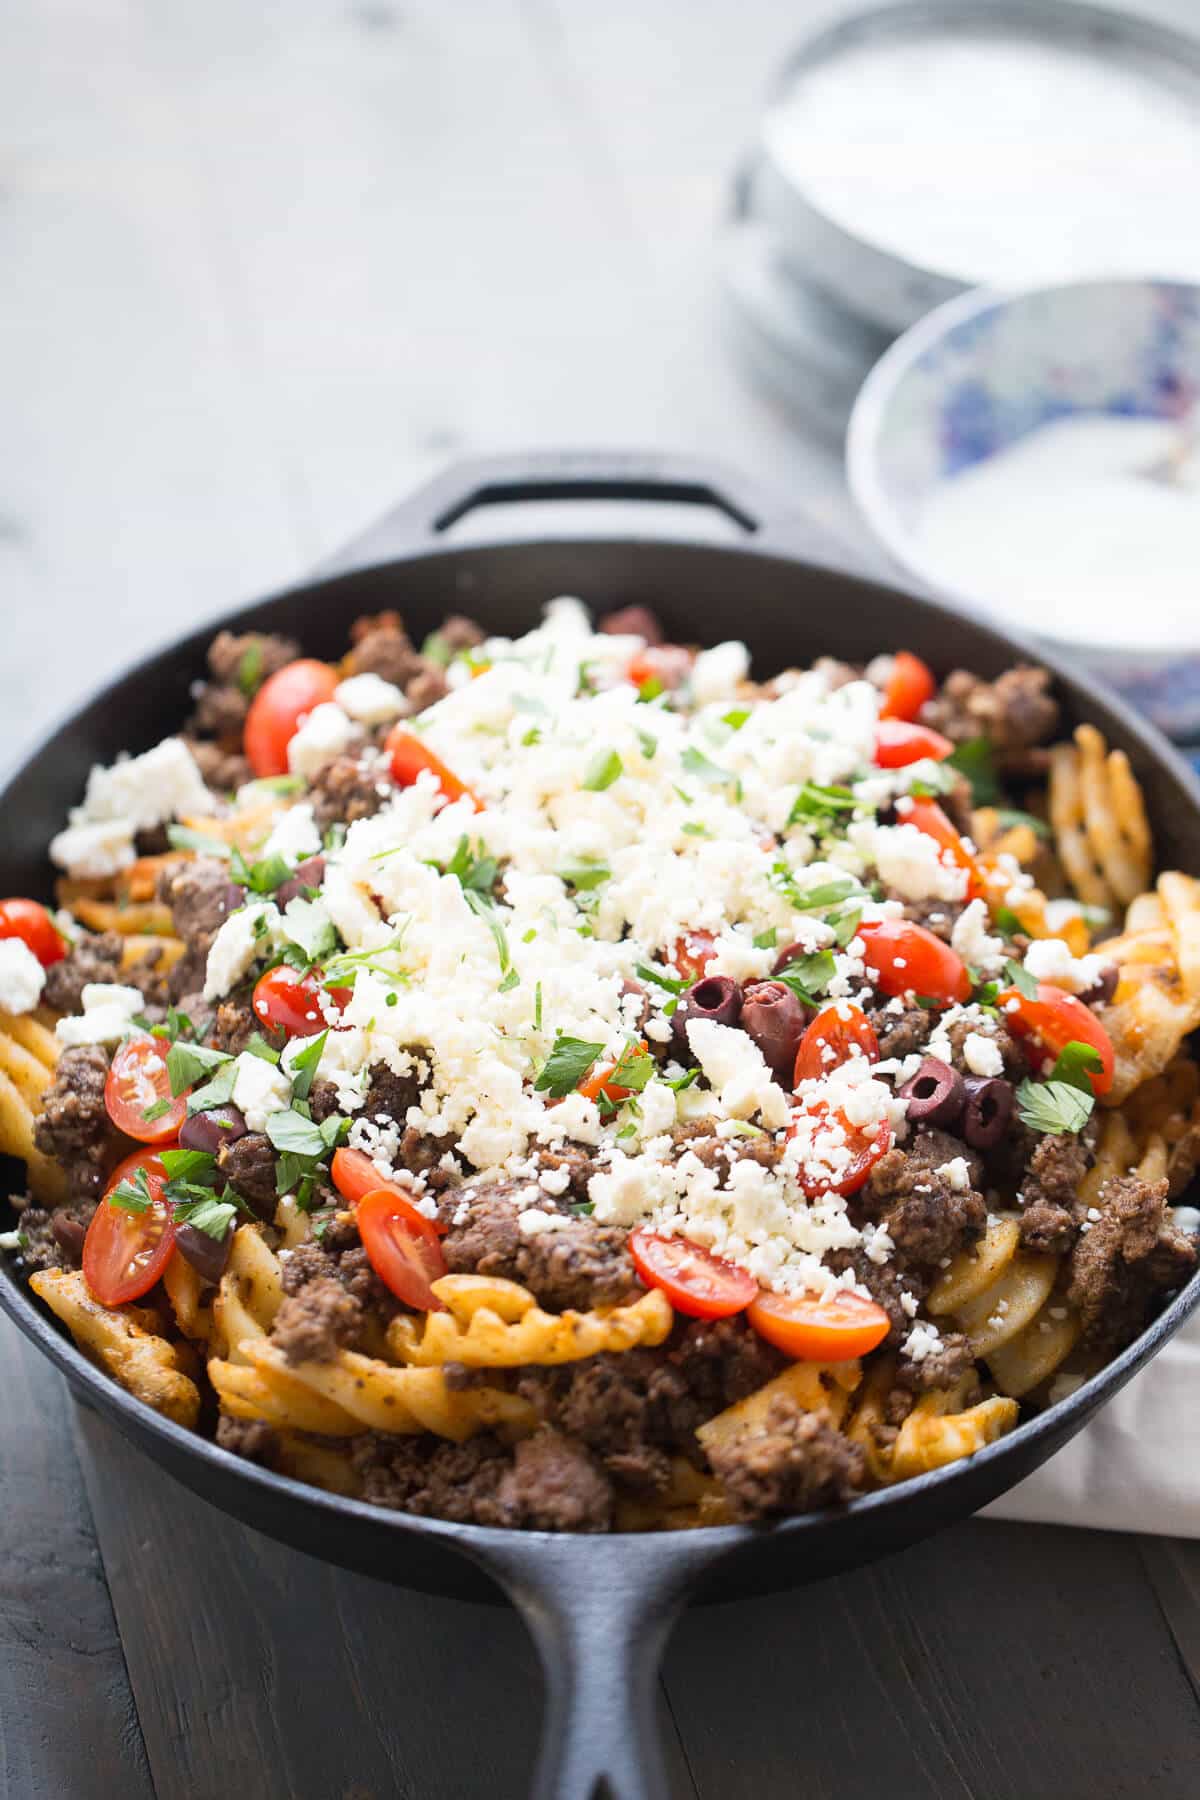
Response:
column 1009, row 1303
column 20, row 1100
column 165, row 950
column 974, row 1271
column 117, row 1338
column 930, row 1438
column 185, row 1290
column 140, row 918
column 1157, row 1001
column 1099, row 820
column 816, row 1387
column 354, row 1393
column 491, row 1323
column 249, row 1296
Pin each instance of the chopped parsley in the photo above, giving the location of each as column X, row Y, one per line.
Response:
column 217, row 1092
column 1010, row 816
column 671, row 983
column 818, row 807
column 647, row 744
column 766, row 940
column 975, row 760
column 1076, row 1064
column 1018, row 976
column 261, row 877
column 602, row 771
column 1007, row 921
column 696, row 763
column 566, row 1066
column 186, row 1063
column 808, row 976
column 585, row 876
column 473, row 866
column 303, row 1066
column 309, row 926
column 634, row 1068
column 250, row 669
column 1053, row 1106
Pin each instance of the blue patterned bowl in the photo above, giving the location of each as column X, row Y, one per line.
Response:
column 983, row 370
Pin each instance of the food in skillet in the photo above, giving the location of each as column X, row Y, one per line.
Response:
column 566, row 1083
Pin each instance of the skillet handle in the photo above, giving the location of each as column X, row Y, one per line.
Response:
column 761, row 515
column 600, row 1612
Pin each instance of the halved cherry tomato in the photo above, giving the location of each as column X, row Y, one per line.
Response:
column 137, row 1084
column 285, row 1000
column 280, row 707
column 902, row 958
column 825, row 1172
column 692, row 953
column 695, row 1282
column 599, row 1080
column 410, row 757
column 26, row 920
column 832, row 1038
column 898, row 743
column 929, row 818
column 125, row 1252
column 402, row 1247
column 814, row 1330
column 911, row 684
column 1052, row 1020
column 354, row 1174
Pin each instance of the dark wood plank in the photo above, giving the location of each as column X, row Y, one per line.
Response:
column 997, row 1662
column 67, row 1722
column 1173, row 1567
column 254, row 1663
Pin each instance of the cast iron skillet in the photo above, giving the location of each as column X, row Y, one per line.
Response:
column 600, row 1609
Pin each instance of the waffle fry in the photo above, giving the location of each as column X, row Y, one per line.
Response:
column 28, row 1055
column 1157, row 1001
column 491, row 1323
column 124, row 1340
column 1099, row 820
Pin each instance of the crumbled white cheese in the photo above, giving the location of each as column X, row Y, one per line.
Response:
column 973, row 942
column 145, row 790
column 241, row 939
column 956, row 1173
column 734, row 1063
column 534, row 1220
column 370, row 699
column 260, row 1089
column 97, row 850
column 716, row 673
column 322, row 735
column 982, row 1054
column 295, row 836
column 910, row 862
column 1050, row 959
column 22, row 976
column 922, row 1341
column 1186, row 1218
column 107, row 1016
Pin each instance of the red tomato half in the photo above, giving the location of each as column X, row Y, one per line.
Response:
column 137, row 1084
column 910, row 686
column 695, row 1282
column 124, row 1252
column 865, row 1145
column 902, row 957
column 284, row 1000
column 402, row 1247
column 692, row 953
column 832, row 1038
column 898, row 743
column 410, row 757
column 354, row 1174
column 1055, row 1019
column 26, row 920
column 928, row 817
column 280, row 706
column 813, row 1330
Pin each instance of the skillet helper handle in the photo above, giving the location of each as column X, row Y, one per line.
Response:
column 760, row 515
column 600, row 1623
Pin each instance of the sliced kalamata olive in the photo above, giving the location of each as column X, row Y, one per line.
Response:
column 716, row 997
column 633, row 621
column 309, row 874
column 775, row 1018
column 69, row 1235
column 210, row 1130
column 988, row 1110
column 936, row 1094
column 207, row 1255
column 1103, row 988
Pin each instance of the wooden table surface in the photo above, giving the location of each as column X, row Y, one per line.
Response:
column 265, row 266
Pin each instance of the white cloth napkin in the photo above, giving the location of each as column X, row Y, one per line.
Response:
column 1136, row 1467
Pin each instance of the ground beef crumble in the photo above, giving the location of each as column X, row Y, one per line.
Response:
column 74, row 1126
column 1125, row 1260
column 799, row 1462
column 317, row 1321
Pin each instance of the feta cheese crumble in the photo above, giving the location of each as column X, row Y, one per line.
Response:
column 22, row 976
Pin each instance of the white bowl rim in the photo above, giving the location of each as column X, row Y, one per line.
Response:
column 876, row 392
